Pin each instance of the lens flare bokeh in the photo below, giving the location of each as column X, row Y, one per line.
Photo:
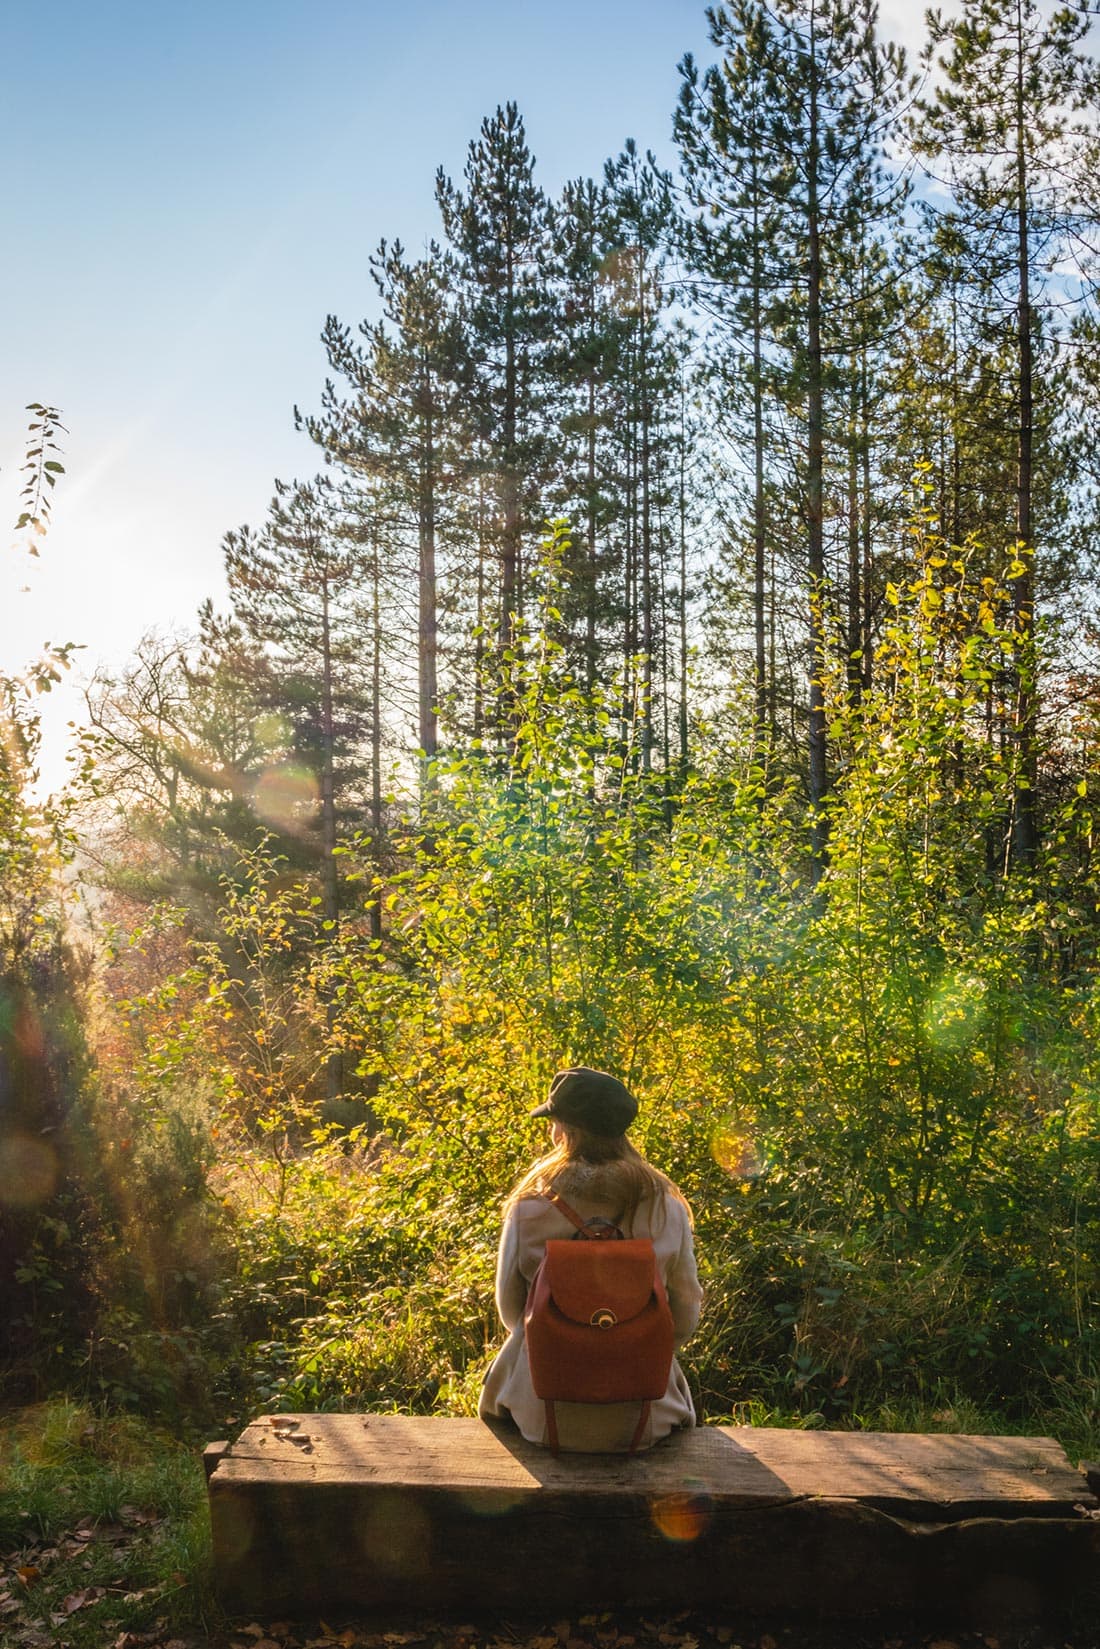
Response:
column 681, row 1517
column 285, row 797
column 396, row 1536
column 28, row 1170
column 735, row 1151
column 956, row 1013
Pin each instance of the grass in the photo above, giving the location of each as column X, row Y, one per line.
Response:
column 103, row 1528
column 1072, row 1416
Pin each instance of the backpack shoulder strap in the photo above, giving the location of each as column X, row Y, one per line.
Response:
column 570, row 1213
column 593, row 1230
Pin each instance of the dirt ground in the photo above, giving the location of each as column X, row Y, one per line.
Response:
column 682, row 1631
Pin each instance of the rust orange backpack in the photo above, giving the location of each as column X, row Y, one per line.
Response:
column 597, row 1322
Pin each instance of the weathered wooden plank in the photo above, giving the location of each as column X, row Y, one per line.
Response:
column 932, row 1476
column 316, row 1512
column 213, row 1455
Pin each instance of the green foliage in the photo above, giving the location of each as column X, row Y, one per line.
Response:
column 879, row 1092
column 45, row 1213
column 41, row 466
column 881, row 1099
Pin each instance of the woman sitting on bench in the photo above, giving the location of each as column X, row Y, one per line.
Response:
column 592, row 1184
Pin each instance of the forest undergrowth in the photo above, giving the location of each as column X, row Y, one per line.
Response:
column 879, row 1090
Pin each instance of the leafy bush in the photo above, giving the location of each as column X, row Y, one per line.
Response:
column 879, row 1090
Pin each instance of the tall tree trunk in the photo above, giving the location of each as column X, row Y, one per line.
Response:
column 854, row 628
column 593, row 563
column 867, row 657
column 509, row 559
column 328, row 765
column 647, row 526
column 662, row 590
column 761, row 719
column 815, row 467
column 334, row 1064
column 376, row 822
column 428, row 691
column 479, row 622
column 630, row 642
column 1024, row 825
column 683, row 716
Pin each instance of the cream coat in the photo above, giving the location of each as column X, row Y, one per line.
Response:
column 590, row 1189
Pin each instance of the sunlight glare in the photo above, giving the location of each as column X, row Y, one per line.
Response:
column 285, row 797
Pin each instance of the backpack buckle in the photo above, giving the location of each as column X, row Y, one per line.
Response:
column 603, row 1318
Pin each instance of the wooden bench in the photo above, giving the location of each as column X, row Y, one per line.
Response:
column 317, row 1512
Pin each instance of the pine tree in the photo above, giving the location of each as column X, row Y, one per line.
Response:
column 1005, row 124
column 589, row 337
column 641, row 215
column 792, row 126
column 293, row 586
column 402, row 433
column 498, row 226
column 729, row 239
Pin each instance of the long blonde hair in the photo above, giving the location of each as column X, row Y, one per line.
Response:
column 636, row 1179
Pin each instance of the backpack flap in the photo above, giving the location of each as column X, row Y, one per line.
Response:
column 600, row 1283
column 598, row 1327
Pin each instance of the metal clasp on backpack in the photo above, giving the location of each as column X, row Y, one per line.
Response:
column 603, row 1318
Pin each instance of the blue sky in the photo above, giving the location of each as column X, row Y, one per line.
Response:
column 189, row 189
